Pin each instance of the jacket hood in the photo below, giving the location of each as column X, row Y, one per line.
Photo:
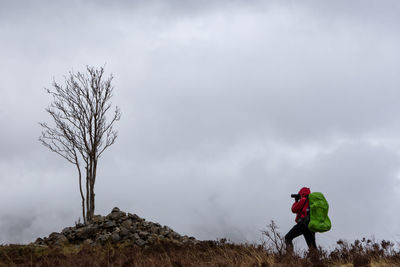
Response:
column 305, row 191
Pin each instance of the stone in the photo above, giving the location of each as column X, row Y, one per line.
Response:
column 123, row 232
column 115, row 237
column 53, row 235
column 176, row 242
column 133, row 228
column 115, row 215
column 116, row 209
column 98, row 219
column 109, row 224
column 67, row 230
column 85, row 232
column 136, row 236
column 39, row 241
column 133, row 216
column 153, row 229
column 58, row 239
column 140, row 242
column 153, row 238
column 127, row 223
column 143, row 234
column 167, row 229
column 175, row 235
column 79, row 225
column 103, row 238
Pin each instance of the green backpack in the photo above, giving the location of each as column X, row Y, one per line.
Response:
column 319, row 220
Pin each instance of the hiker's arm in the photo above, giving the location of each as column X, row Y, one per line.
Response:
column 296, row 207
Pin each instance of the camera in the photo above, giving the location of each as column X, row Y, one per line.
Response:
column 295, row 196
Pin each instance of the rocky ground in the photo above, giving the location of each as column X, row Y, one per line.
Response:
column 116, row 227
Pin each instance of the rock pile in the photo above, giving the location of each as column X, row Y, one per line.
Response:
column 116, row 227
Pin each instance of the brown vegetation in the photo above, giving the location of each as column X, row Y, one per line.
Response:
column 205, row 253
column 175, row 253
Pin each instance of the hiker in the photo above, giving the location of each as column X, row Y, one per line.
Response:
column 300, row 207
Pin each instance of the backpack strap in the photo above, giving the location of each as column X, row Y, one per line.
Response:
column 305, row 202
column 306, row 218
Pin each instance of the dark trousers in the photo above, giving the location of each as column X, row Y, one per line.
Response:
column 297, row 230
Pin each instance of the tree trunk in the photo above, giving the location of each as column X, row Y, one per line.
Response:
column 87, row 194
column 92, row 182
column 80, row 190
column 92, row 201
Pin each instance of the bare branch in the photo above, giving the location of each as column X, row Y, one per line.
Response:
column 81, row 130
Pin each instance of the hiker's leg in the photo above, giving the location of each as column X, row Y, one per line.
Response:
column 310, row 238
column 312, row 246
column 293, row 233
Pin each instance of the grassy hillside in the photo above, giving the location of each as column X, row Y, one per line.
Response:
column 205, row 253
column 168, row 248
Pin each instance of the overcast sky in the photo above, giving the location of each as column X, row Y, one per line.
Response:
column 228, row 107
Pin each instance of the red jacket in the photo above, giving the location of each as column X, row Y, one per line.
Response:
column 300, row 207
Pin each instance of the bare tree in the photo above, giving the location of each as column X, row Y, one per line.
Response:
column 82, row 132
column 274, row 240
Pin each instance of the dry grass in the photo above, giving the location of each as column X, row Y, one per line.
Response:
column 208, row 253
column 166, row 254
